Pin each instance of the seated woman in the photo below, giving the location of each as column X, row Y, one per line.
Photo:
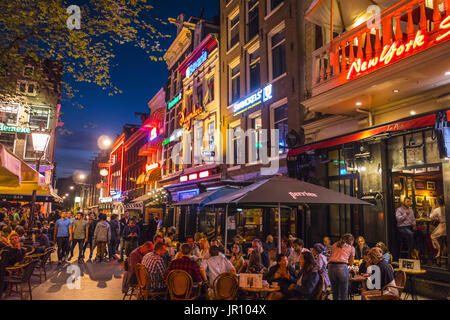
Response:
column 255, row 263
column 365, row 262
column 386, row 253
column 386, row 273
column 305, row 287
column 281, row 273
column 360, row 247
column 322, row 263
column 237, row 259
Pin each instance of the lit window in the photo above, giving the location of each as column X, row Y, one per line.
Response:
column 254, row 70
column 39, row 117
column 280, row 120
column 278, row 53
column 233, row 30
column 235, row 83
column 252, row 19
column 8, row 114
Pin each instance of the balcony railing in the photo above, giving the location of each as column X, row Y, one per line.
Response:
column 366, row 43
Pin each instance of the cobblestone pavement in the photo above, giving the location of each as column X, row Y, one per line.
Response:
column 98, row 281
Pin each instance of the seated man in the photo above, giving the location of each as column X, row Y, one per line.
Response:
column 386, row 273
column 215, row 265
column 136, row 256
column 154, row 263
column 186, row 263
column 41, row 241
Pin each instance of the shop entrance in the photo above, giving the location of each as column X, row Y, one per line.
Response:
column 344, row 218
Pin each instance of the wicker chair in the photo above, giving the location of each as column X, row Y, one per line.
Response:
column 44, row 259
column 180, row 285
column 400, row 283
column 226, row 287
column 145, row 285
column 25, row 271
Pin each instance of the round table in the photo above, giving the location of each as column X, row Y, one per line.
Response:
column 356, row 279
column 260, row 292
column 412, row 283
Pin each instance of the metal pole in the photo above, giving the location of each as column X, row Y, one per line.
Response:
column 226, row 225
column 279, row 228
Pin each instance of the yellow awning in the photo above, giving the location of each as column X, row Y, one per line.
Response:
column 13, row 170
column 140, row 179
column 26, row 188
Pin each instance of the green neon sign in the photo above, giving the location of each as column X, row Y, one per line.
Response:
column 174, row 101
column 6, row 128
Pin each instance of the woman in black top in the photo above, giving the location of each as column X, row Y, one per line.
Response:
column 281, row 273
column 361, row 246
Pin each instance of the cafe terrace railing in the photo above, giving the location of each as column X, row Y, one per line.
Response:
column 374, row 45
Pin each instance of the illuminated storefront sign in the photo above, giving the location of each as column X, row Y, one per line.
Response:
column 194, row 176
column 395, row 51
column 6, row 128
column 194, row 66
column 255, row 99
column 151, row 166
column 153, row 134
column 178, row 133
column 185, row 120
column 174, row 101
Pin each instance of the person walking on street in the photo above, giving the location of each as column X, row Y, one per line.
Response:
column 123, row 223
column 131, row 235
column 92, row 223
column 63, row 236
column 80, row 232
column 102, row 236
column 115, row 236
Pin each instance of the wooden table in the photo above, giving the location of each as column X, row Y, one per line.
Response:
column 356, row 279
column 260, row 292
column 412, row 283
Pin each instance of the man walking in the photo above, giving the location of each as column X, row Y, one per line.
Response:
column 102, row 236
column 92, row 223
column 63, row 236
column 80, row 232
column 123, row 223
column 115, row 235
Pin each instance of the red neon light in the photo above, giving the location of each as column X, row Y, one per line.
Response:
column 204, row 174
column 183, row 178
column 397, row 49
column 445, row 24
column 193, row 176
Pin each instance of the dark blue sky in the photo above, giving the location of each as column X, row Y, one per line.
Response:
column 138, row 78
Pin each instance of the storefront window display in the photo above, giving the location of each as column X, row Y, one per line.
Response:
column 250, row 223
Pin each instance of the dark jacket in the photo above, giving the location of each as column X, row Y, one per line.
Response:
column 91, row 229
column 151, row 231
column 123, row 223
column 359, row 253
column 283, row 283
column 115, row 230
column 129, row 230
column 308, row 283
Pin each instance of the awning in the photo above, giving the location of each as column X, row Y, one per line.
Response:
column 206, row 197
column 425, row 121
column 14, row 170
column 142, row 198
column 347, row 14
column 153, row 175
column 25, row 190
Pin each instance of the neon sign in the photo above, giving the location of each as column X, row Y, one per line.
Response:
column 185, row 120
column 174, row 101
column 194, row 176
column 153, row 134
column 6, row 128
column 194, row 66
column 395, row 51
column 151, row 166
column 255, row 99
column 178, row 133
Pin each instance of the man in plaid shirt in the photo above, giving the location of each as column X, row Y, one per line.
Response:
column 187, row 264
column 154, row 263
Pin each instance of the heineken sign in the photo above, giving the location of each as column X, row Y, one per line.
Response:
column 5, row 128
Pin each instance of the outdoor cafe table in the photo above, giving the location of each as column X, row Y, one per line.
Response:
column 356, row 279
column 261, row 293
column 412, row 274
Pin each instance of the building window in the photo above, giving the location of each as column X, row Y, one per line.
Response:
column 8, row 114
column 211, row 131
column 235, row 83
column 274, row 4
column 256, row 125
column 280, row 122
column 28, row 71
column 254, row 70
column 233, row 30
column 28, row 88
column 7, row 139
column 210, row 83
column 252, row 19
column 277, row 52
column 237, row 147
column 29, row 150
column 39, row 117
column 200, row 94
column 189, row 104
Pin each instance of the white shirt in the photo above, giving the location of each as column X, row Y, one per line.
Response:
column 215, row 266
column 437, row 213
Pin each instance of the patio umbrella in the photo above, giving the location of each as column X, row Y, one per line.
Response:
column 344, row 14
column 279, row 190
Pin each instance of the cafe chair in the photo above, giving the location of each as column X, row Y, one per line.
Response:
column 318, row 293
column 44, row 258
column 400, row 283
column 145, row 284
column 22, row 278
column 180, row 285
column 226, row 287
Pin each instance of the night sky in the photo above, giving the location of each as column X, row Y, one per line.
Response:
column 138, row 78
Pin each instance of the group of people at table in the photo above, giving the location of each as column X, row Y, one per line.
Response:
column 295, row 271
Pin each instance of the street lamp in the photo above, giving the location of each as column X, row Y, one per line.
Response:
column 72, row 187
column 40, row 142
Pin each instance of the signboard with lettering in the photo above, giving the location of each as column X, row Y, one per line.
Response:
column 255, row 99
column 196, row 64
column 174, row 101
column 186, row 119
column 5, row 128
column 409, row 264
